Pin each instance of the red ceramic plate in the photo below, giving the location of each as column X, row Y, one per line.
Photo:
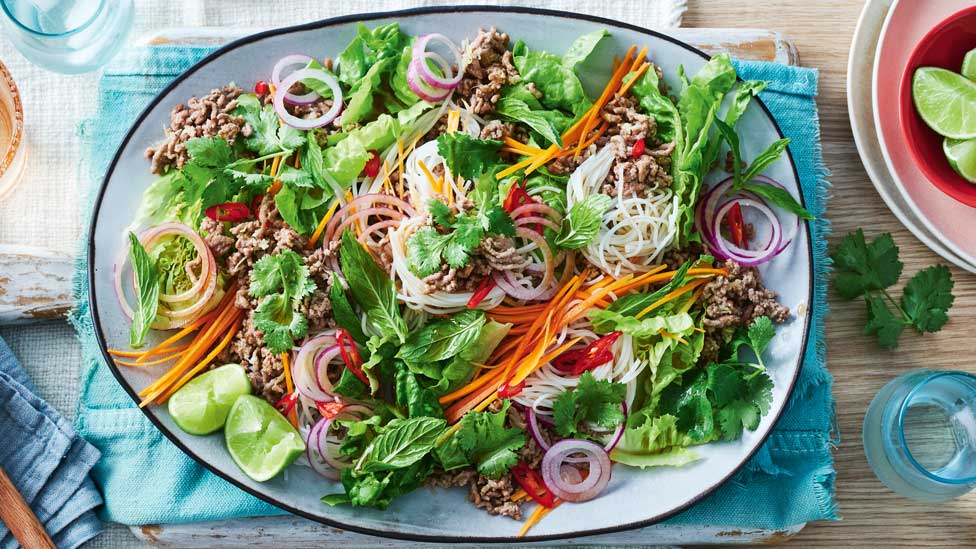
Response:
column 944, row 46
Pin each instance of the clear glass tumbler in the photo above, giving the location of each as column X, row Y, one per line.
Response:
column 67, row 36
column 920, row 434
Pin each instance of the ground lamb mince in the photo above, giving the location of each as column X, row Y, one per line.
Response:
column 490, row 69
column 208, row 116
column 247, row 243
column 734, row 301
column 494, row 254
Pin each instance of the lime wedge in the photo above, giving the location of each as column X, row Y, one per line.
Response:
column 200, row 407
column 969, row 65
column 946, row 101
column 260, row 439
column 962, row 157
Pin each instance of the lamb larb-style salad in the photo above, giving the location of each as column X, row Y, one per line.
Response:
column 428, row 263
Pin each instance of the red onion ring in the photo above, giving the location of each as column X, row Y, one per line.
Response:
column 362, row 202
column 421, row 88
column 561, row 453
column 570, row 474
column 302, row 123
column 289, row 61
column 313, row 451
column 618, row 433
column 537, row 207
column 536, row 220
column 305, row 375
column 356, row 412
column 506, row 280
column 746, row 257
column 532, row 419
column 420, row 53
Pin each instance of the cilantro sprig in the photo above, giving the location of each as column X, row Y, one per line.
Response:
column 459, row 236
column 593, row 401
column 868, row 270
column 282, row 281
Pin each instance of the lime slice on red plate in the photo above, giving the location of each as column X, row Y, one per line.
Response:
column 946, row 101
column 201, row 406
column 962, row 157
column 260, row 439
column 969, row 65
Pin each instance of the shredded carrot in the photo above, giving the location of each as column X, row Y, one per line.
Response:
column 518, row 145
column 453, row 121
column 165, row 358
column 164, row 346
column 235, row 326
column 274, row 166
column 298, row 162
column 430, row 177
column 519, row 495
column 616, row 63
column 694, row 299
column 536, row 516
column 325, row 221
column 289, row 385
column 593, row 114
column 400, row 166
column 515, row 167
column 386, row 178
column 541, row 159
column 638, row 60
column 630, row 83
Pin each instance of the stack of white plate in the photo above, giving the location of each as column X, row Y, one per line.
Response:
column 886, row 33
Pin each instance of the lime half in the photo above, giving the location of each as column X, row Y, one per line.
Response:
column 946, row 101
column 969, row 65
column 962, row 157
column 201, row 406
column 260, row 439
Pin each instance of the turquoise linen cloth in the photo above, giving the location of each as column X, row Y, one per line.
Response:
column 145, row 479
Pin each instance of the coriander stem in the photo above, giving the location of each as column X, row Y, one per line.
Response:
column 904, row 316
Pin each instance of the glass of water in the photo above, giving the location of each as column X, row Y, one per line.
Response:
column 920, row 434
column 67, row 36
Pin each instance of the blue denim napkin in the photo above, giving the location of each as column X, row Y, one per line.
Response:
column 788, row 482
column 46, row 459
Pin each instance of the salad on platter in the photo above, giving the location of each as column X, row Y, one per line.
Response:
column 424, row 263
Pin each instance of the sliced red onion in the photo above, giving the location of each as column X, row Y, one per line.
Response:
column 618, row 433
column 322, row 360
column 570, row 474
column 563, row 452
column 534, row 430
column 538, row 208
column 449, row 81
column 313, row 450
column 303, row 123
column 307, row 380
column 421, row 88
column 282, row 64
column 361, row 203
column 537, row 220
column 506, row 280
column 356, row 412
column 748, row 258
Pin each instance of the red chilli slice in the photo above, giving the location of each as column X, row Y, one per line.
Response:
column 261, row 88
column 638, row 149
column 577, row 361
column 229, row 211
column 531, row 481
column 481, row 292
column 506, row 391
column 351, row 356
column 372, row 168
column 330, row 410
column 287, row 403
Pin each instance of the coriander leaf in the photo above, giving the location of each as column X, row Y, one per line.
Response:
column 378, row 489
column 285, row 273
column 293, row 176
column 147, row 290
column 280, row 323
column 593, row 402
column 209, row 152
column 425, row 249
column 371, row 288
column 467, row 156
column 861, row 267
column 882, row 321
column 440, row 213
column 927, row 297
column 760, row 333
column 343, row 313
column 498, row 221
column 741, row 398
column 402, row 443
column 583, row 222
column 443, row 339
column 779, row 197
column 251, row 179
column 263, row 121
column 487, row 443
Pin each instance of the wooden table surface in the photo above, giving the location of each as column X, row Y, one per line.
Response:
column 871, row 514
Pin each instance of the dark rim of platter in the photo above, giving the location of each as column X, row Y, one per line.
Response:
column 390, row 533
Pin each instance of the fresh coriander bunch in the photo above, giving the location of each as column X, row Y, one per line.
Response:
column 868, row 270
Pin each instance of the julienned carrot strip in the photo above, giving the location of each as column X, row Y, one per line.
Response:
column 630, row 83
column 163, row 346
column 192, row 353
column 471, row 387
column 671, row 295
column 639, row 59
column 324, row 221
column 516, row 144
column 165, row 358
column 515, row 167
column 519, row 495
column 536, row 516
column 694, row 298
column 235, row 326
column 430, row 177
column 614, row 83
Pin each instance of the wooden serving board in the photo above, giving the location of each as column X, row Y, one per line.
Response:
column 35, row 284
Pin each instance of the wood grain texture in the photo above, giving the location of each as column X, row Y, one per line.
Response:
column 19, row 518
column 35, row 284
column 872, row 515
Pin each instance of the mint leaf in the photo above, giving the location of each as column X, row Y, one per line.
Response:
column 402, row 443
column 147, row 291
column 780, row 198
column 583, row 222
column 443, row 339
column 371, row 288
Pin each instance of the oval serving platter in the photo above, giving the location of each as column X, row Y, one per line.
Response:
column 635, row 498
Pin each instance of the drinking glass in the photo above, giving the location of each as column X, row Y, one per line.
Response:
column 67, row 36
column 13, row 147
column 920, row 434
